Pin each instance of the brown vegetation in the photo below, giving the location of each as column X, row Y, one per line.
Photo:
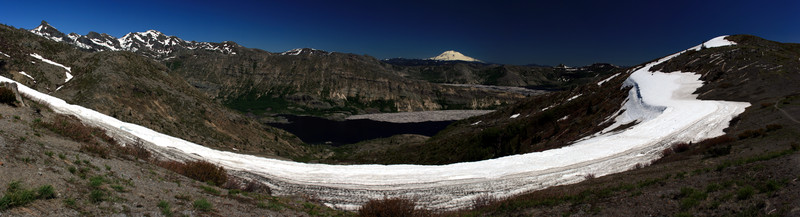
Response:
column 7, row 96
column 389, row 207
column 198, row 170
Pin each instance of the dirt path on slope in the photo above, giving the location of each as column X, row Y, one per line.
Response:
column 784, row 112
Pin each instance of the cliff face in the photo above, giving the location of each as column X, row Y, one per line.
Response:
column 319, row 82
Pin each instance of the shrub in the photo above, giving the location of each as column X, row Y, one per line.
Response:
column 667, row 152
column 773, row 127
column 202, row 205
column 257, row 187
column 97, row 195
column 7, row 96
column 389, row 207
column 713, row 187
column 198, row 170
column 46, row 192
column 680, row 147
column 745, row 193
column 135, row 149
column 70, row 127
column 751, row 133
column 94, row 148
column 165, row 209
column 483, row 201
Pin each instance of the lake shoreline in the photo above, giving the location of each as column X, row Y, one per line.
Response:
column 421, row 116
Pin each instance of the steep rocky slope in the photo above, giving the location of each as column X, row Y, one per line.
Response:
column 136, row 89
column 320, row 82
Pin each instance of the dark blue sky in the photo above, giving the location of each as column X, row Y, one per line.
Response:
column 514, row 32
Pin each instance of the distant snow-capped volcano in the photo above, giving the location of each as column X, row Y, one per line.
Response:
column 452, row 55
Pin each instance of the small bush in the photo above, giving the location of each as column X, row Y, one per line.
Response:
column 198, row 170
column 667, row 152
column 751, row 134
column 713, row 187
column 774, row 127
column 96, row 181
column 46, row 192
column 97, row 195
column 202, row 205
column 745, row 193
column 257, row 187
column 7, row 96
column 94, row 148
column 70, row 127
column 388, row 207
column 135, row 149
column 680, row 147
column 165, row 208
column 483, row 201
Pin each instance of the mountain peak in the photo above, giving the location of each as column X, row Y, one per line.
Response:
column 46, row 30
column 452, row 55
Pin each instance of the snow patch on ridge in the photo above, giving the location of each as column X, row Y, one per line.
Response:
column 69, row 69
column 26, row 75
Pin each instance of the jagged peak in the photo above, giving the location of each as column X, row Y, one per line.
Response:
column 298, row 51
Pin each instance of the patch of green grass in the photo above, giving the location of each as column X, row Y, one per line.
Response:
column 17, row 195
column 165, row 208
column 96, row 181
column 234, row 191
column 62, row 156
column 46, row 192
column 210, row 190
column 70, row 202
column 48, row 153
column 118, row 188
column 745, row 193
column 97, row 195
column 202, row 205
column 713, row 187
column 691, row 197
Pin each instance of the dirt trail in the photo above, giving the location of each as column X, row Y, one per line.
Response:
column 785, row 113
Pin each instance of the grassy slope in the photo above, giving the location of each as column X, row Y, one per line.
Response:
column 88, row 184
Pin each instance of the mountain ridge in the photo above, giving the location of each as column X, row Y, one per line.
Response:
column 151, row 43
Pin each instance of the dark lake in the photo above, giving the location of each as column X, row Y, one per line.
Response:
column 313, row 130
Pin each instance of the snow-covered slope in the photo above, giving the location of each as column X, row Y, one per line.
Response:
column 683, row 118
column 150, row 43
column 452, row 55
